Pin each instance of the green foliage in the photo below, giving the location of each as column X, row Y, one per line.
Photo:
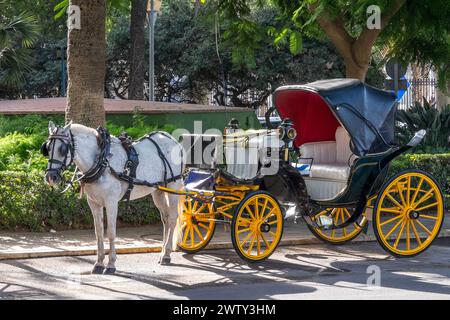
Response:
column 436, row 164
column 27, row 202
column 20, row 152
column 28, row 124
column 22, row 136
column 61, row 8
column 428, row 43
column 425, row 116
column 43, row 77
column 17, row 35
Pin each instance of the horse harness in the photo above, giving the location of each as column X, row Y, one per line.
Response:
column 96, row 171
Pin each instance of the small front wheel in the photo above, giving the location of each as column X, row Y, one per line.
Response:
column 408, row 214
column 196, row 223
column 257, row 226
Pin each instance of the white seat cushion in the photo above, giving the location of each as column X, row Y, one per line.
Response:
column 321, row 152
column 330, row 158
column 330, row 171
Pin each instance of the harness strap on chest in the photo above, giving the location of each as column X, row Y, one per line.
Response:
column 130, row 166
column 104, row 142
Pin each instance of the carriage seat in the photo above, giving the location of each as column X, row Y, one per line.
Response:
column 331, row 159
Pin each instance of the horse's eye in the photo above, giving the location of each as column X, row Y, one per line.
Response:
column 44, row 149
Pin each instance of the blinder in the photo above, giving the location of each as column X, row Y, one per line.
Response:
column 63, row 149
column 44, row 149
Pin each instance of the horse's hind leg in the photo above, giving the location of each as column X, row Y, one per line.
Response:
column 167, row 206
column 97, row 213
column 111, row 213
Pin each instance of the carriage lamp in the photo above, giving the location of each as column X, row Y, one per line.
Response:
column 286, row 131
column 291, row 134
column 287, row 134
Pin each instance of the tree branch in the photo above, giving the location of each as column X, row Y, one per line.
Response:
column 363, row 44
column 335, row 30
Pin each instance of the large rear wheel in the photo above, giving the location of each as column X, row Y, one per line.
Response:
column 408, row 214
column 257, row 226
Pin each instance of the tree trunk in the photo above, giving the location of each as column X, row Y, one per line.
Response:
column 356, row 71
column 137, row 49
column 86, row 65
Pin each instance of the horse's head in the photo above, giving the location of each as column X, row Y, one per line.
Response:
column 59, row 149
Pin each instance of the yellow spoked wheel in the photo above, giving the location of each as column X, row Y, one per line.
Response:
column 337, row 236
column 257, row 226
column 196, row 224
column 409, row 213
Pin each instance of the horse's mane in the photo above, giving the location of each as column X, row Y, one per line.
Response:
column 81, row 129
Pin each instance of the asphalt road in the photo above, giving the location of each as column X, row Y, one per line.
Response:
column 355, row 271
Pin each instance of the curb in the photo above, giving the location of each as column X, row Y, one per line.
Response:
column 157, row 248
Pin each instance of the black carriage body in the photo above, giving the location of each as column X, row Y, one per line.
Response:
column 368, row 116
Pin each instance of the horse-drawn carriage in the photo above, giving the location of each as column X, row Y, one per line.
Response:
column 331, row 157
column 326, row 163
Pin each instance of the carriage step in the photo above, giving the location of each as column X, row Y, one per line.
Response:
column 325, row 222
column 365, row 227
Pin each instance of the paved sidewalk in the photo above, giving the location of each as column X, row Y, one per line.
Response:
column 17, row 245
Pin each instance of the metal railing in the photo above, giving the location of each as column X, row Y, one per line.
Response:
column 418, row 90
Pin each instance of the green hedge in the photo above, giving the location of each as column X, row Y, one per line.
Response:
column 436, row 164
column 27, row 203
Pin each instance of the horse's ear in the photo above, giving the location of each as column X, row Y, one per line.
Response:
column 51, row 127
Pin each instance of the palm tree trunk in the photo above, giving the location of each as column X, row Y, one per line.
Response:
column 86, row 65
column 137, row 50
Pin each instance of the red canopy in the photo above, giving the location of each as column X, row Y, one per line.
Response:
column 311, row 115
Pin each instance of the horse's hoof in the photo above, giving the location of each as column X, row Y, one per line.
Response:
column 98, row 270
column 109, row 271
column 164, row 261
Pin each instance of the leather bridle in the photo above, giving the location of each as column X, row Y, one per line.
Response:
column 66, row 149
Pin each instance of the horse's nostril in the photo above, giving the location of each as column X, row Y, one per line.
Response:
column 52, row 178
column 55, row 178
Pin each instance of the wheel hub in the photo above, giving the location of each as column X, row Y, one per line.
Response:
column 264, row 227
column 413, row 214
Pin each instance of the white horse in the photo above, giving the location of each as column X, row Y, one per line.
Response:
column 78, row 144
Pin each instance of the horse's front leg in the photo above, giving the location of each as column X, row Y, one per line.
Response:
column 111, row 213
column 97, row 213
